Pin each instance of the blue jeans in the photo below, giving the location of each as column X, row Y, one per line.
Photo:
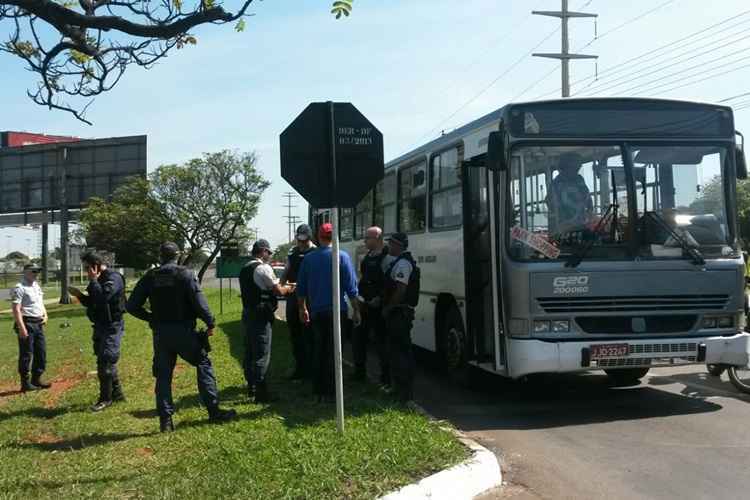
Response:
column 258, row 335
column 176, row 339
column 33, row 347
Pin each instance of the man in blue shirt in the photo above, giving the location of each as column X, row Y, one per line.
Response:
column 315, row 300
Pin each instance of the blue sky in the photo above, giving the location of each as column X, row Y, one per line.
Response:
column 413, row 67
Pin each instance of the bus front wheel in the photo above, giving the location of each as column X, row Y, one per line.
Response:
column 627, row 376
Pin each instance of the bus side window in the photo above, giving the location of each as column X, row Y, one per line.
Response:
column 445, row 195
column 363, row 216
column 412, row 196
column 385, row 204
column 346, row 224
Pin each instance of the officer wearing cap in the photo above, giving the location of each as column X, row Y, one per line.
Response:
column 398, row 268
column 30, row 316
column 176, row 301
column 299, row 333
column 259, row 289
column 105, row 307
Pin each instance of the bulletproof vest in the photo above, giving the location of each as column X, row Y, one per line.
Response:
column 169, row 294
column 112, row 310
column 412, row 288
column 295, row 262
column 372, row 280
column 252, row 295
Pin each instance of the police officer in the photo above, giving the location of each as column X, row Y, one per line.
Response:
column 399, row 314
column 259, row 289
column 299, row 333
column 30, row 316
column 371, row 287
column 105, row 306
column 176, row 301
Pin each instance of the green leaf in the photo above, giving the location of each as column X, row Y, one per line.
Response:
column 177, row 4
column 342, row 7
column 240, row 26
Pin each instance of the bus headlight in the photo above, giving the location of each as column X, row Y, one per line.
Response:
column 718, row 322
column 561, row 326
column 725, row 322
column 541, row 326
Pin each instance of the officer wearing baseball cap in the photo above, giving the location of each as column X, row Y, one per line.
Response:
column 176, row 302
column 30, row 316
column 400, row 297
column 259, row 289
column 299, row 333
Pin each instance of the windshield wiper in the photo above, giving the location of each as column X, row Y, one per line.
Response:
column 695, row 255
column 581, row 251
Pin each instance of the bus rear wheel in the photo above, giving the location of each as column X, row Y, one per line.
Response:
column 627, row 376
column 452, row 343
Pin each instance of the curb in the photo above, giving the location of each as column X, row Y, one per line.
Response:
column 474, row 476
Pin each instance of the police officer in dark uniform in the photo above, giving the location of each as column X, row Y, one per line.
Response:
column 176, row 301
column 105, row 306
column 259, row 289
column 371, row 288
column 399, row 268
column 300, row 334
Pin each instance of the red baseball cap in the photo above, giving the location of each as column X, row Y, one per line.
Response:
column 325, row 230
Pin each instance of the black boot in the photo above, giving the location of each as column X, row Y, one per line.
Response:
column 263, row 395
column 100, row 405
column 251, row 392
column 117, row 394
column 218, row 416
column 166, row 424
column 26, row 385
column 36, row 380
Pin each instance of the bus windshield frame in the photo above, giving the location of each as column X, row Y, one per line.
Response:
column 611, row 184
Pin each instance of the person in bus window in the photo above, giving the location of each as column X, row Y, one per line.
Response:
column 569, row 198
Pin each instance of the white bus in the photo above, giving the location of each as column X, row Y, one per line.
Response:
column 653, row 276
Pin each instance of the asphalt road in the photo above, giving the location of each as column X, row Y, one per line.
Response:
column 679, row 434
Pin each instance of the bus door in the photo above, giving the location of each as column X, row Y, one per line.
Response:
column 480, row 264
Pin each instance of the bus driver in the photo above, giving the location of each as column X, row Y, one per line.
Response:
column 568, row 199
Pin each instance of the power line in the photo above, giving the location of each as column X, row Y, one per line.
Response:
column 701, row 80
column 684, row 70
column 628, row 77
column 625, row 65
column 735, row 97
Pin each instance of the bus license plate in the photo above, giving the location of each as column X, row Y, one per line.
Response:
column 609, row 351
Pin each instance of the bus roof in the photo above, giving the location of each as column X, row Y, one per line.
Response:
column 452, row 137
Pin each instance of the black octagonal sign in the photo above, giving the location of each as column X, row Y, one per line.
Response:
column 308, row 147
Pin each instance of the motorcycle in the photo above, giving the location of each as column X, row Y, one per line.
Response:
column 738, row 375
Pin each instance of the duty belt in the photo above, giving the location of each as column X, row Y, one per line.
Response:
column 32, row 319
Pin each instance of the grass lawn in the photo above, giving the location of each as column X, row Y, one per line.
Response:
column 52, row 446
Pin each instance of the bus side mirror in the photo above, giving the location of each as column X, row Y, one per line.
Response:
column 495, row 152
column 739, row 156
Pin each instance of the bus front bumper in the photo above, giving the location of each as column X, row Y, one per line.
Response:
column 538, row 356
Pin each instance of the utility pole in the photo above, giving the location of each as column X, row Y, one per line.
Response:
column 565, row 56
column 289, row 218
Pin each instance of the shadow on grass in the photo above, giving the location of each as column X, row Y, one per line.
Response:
column 76, row 443
column 53, row 485
column 296, row 404
column 37, row 412
column 7, row 394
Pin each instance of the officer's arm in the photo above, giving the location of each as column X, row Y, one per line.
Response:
column 137, row 299
column 200, row 304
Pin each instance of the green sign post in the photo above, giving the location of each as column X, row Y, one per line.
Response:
column 228, row 267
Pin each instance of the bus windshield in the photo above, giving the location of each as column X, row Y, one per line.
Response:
column 682, row 186
column 571, row 201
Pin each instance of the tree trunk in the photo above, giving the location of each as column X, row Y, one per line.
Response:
column 208, row 262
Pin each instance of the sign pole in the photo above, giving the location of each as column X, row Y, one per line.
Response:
column 336, row 286
column 64, row 250
column 221, row 296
